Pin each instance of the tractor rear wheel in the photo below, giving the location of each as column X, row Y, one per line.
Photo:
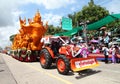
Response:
column 45, row 59
column 63, row 65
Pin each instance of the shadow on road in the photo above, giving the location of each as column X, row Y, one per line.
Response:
column 2, row 70
column 86, row 73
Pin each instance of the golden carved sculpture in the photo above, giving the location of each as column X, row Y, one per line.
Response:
column 29, row 36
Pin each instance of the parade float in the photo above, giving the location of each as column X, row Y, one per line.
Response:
column 31, row 44
column 26, row 44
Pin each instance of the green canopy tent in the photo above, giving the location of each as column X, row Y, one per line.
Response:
column 104, row 21
column 94, row 26
column 68, row 33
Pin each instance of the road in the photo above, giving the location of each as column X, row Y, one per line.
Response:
column 6, row 76
column 32, row 73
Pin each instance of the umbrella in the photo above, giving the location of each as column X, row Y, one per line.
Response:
column 118, row 40
column 114, row 43
column 94, row 41
column 115, row 38
column 103, row 28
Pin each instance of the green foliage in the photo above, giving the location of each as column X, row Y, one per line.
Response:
column 12, row 37
column 53, row 30
column 114, row 27
column 92, row 13
column 73, row 17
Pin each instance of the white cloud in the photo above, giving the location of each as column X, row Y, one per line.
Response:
column 8, row 25
column 8, row 6
column 113, row 6
column 52, row 19
column 8, row 17
column 73, row 9
column 6, row 32
column 51, row 4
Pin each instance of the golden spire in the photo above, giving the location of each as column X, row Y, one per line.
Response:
column 38, row 14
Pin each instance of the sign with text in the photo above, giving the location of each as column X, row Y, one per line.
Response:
column 66, row 23
column 79, row 64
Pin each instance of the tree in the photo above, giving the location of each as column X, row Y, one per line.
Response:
column 73, row 17
column 12, row 37
column 114, row 28
column 92, row 13
column 53, row 30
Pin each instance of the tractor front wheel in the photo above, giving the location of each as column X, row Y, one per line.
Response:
column 63, row 65
column 45, row 59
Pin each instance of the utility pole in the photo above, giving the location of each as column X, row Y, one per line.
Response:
column 84, row 25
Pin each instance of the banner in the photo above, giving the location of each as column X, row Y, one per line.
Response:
column 66, row 23
column 79, row 64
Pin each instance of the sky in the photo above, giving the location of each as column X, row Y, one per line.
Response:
column 50, row 10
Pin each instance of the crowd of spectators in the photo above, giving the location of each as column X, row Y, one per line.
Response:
column 104, row 45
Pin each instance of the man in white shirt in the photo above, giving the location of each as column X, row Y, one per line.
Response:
column 106, row 53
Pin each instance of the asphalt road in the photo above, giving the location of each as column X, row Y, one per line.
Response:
column 6, row 76
column 16, row 72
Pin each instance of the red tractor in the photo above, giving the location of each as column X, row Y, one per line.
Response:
column 66, row 55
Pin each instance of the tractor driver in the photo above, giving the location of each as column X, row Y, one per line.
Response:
column 45, row 41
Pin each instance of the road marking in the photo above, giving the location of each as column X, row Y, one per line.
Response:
column 49, row 74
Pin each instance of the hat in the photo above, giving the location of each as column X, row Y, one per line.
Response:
column 80, row 38
column 82, row 41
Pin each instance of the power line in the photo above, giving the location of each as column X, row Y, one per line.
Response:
column 102, row 2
